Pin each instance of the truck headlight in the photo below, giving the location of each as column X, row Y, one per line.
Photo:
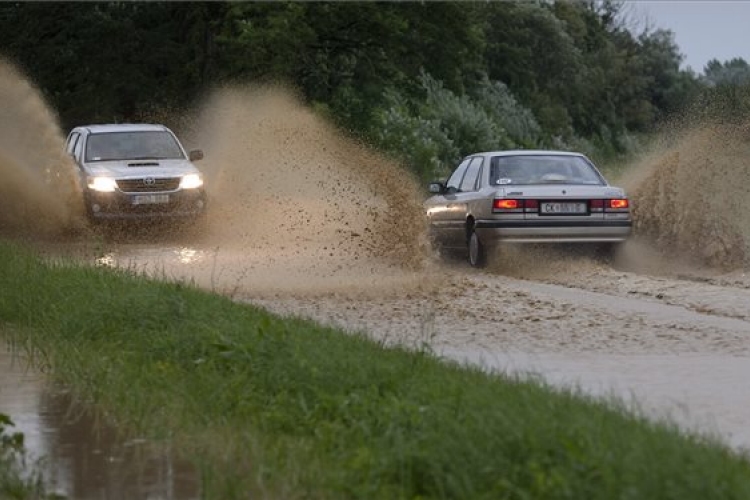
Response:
column 102, row 184
column 191, row 181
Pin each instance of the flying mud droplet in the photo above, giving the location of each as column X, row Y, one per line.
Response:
column 38, row 192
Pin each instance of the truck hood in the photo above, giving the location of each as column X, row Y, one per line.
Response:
column 122, row 169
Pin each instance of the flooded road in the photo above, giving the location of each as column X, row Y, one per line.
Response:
column 674, row 344
column 83, row 457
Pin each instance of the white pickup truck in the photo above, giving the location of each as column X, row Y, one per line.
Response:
column 136, row 171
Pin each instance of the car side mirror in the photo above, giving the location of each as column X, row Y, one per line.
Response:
column 195, row 155
column 436, row 187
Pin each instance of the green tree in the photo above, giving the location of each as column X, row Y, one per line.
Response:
column 343, row 56
column 529, row 50
column 727, row 93
column 109, row 61
column 735, row 72
column 532, row 73
column 669, row 88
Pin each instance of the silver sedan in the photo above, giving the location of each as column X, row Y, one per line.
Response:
column 526, row 197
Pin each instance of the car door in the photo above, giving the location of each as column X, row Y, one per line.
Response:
column 448, row 211
column 439, row 206
column 461, row 202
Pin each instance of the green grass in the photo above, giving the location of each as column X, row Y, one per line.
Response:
column 271, row 407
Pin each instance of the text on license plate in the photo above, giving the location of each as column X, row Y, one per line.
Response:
column 563, row 207
column 150, row 199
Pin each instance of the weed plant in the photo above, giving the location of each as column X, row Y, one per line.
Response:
column 19, row 479
column 285, row 408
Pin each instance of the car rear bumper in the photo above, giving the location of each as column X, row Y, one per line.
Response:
column 123, row 206
column 551, row 231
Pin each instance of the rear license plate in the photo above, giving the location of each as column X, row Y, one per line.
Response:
column 150, row 199
column 563, row 208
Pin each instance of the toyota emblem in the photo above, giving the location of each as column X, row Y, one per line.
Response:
column 149, row 181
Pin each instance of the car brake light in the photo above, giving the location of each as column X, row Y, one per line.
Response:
column 620, row 203
column 507, row 204
column 515, row 205
column 613, row 205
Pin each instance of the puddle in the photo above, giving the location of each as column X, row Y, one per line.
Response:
column 82, row 457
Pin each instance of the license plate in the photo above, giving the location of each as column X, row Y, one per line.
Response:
column 576, row 208
column 150, row 199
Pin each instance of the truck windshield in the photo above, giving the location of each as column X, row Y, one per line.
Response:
column 142, row 145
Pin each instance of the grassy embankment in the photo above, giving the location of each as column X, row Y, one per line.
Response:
column 288, row 409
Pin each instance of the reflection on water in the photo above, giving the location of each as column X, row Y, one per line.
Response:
column 180, row 255
column 83, row 457
column 108, row 259
column 187, row 255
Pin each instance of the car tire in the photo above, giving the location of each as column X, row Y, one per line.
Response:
column 477, row 253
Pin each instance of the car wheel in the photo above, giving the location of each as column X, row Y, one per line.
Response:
column 477, row 254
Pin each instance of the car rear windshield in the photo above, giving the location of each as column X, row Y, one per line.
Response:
column 143, row 145
column 543, row 169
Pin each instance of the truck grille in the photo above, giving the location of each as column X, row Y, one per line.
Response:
column 148, row 184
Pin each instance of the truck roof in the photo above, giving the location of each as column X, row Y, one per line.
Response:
column 122, row 127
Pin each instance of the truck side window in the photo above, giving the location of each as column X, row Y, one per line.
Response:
column 72, row 139
column 77, row 148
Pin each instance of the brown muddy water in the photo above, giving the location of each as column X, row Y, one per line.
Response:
column 81, row 456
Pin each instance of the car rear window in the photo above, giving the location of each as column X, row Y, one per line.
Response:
column 143, row 145
column 543, row 169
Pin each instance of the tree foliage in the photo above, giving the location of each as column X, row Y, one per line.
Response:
column 726, row 97
column 427, row 81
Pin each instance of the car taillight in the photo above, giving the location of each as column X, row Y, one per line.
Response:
column 613, row 205
column 515, row 206
column 507, row 204
column 619, row 204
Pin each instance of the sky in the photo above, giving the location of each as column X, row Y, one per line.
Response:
column 704, row 29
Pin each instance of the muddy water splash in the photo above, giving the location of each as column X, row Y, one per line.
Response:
column 294, row 205
column 37, row 194
column 691, row 199
column 283, row 177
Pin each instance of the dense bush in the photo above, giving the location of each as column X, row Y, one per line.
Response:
column 433, row 131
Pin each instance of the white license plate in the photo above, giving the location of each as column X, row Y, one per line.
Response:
column 563, row 208
column 150, row 199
